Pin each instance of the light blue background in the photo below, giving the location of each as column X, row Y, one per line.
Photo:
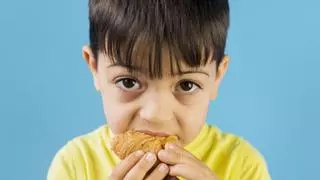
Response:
column 270, row 94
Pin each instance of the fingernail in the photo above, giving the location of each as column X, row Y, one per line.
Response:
column 150, row 157
column 139, row 153
column 171, row 145
column 162, row 153
column 163, row 168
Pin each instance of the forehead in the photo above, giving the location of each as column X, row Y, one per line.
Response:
column 166, row 66
column 163, row 64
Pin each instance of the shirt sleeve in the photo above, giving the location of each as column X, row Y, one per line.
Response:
column 254, row 166
column 61, row 167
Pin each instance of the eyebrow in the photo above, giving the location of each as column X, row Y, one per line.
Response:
column 136, row 69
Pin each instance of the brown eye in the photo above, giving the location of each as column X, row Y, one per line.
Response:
column 188, row 86
column 128, row 84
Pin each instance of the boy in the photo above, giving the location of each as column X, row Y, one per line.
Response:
column 157, row 65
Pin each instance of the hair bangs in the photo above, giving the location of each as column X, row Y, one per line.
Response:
column 141, row 35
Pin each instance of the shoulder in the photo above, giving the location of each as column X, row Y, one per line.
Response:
column 92, row 140
column 74, row 156
column 82, row 145
column 243, row 155
column 252, row 161
column 235, row 143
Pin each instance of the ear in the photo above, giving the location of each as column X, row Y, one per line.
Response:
column 92, row 64
column 222, row 69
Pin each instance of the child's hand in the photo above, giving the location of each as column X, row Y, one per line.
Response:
column 137, row 166
column 183, row 163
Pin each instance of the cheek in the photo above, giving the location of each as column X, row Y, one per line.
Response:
column 195, row 113
column 118, row 111
column 119, row 115
column 195, row 118
column 192, row 121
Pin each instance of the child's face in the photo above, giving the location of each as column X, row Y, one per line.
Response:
column 175, row 105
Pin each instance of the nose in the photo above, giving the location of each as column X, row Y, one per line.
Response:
column 157, row 108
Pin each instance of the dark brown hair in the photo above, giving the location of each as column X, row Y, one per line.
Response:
column 132, row 31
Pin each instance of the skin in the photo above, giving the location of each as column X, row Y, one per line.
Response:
column 175, row 105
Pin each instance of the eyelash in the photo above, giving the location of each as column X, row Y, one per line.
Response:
column 190, row 81
column 119, row 79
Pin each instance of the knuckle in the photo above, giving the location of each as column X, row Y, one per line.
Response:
column 143, row 165
column 163, row 168
column 147, row 161
column 154, row 176
column 130, row 176
column 159, row 173
column 180, row 157
column 136, row 172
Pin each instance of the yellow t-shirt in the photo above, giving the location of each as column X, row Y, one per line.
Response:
column 89, row 157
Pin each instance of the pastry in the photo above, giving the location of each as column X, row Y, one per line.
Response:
column 126, row 143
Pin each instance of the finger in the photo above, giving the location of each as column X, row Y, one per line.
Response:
column 160, row 172
column 179, row 149
column 170, row 178
column 142, row 167
column 189, row 172
column 125, row 165
column 172, row 157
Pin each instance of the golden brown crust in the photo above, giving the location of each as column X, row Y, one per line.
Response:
column 124, row 144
